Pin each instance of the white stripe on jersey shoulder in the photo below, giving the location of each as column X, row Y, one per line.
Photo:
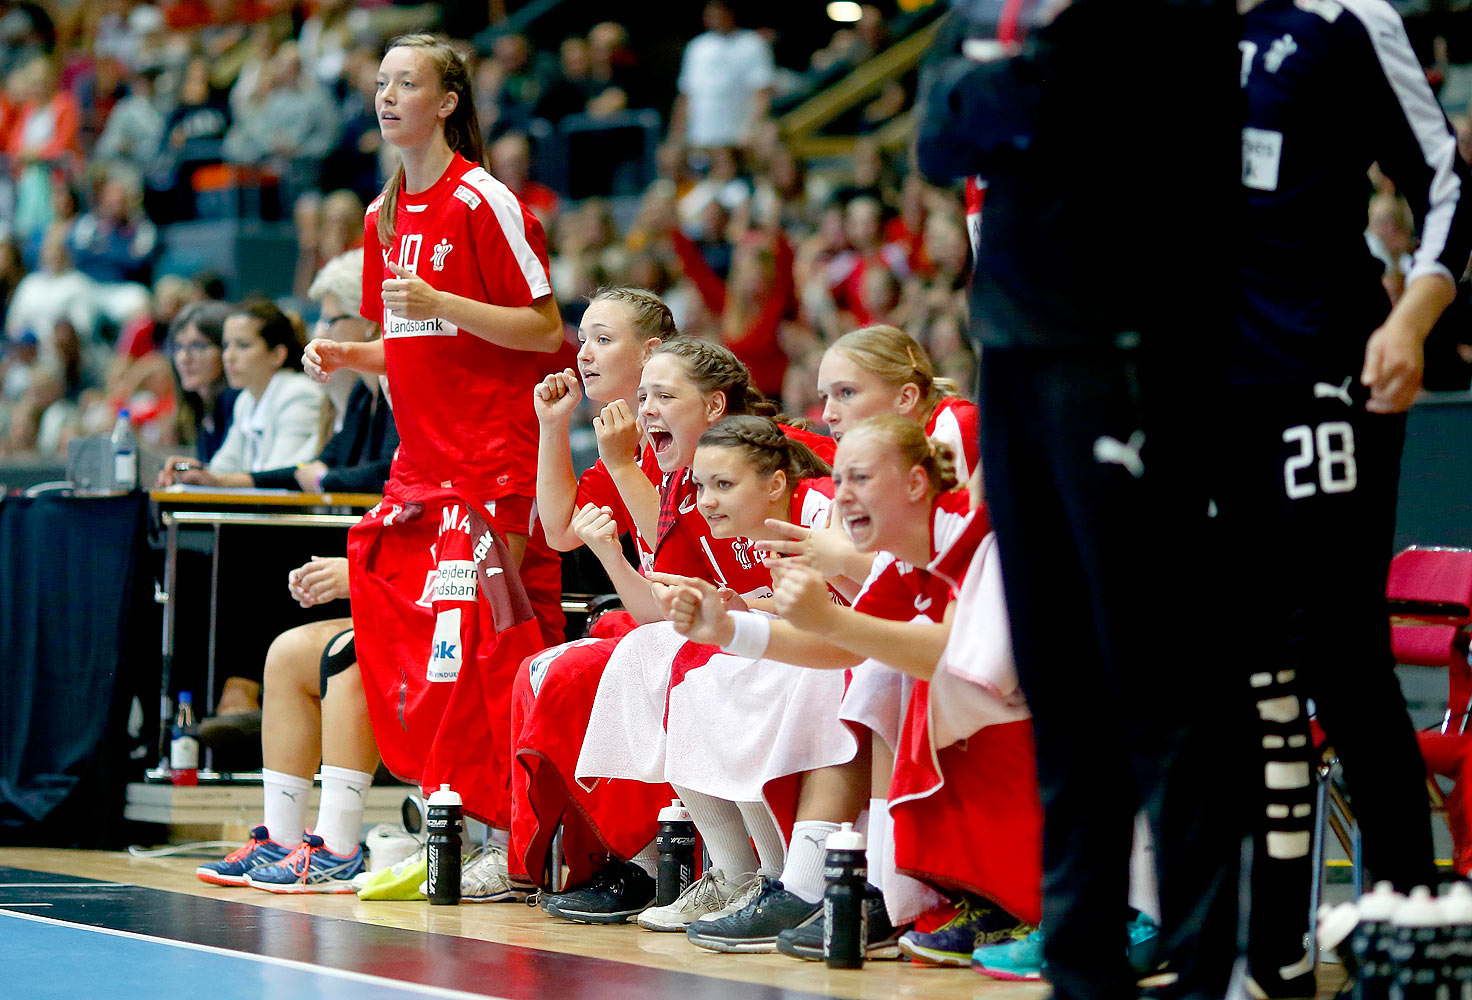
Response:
column 478, row 181
column 815, row 506
column 947, row 528
column 373, row 206
column 1438, row 144
column 947, row 430
column 882, row 561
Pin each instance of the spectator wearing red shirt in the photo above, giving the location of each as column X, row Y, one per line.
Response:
column 752, row 304
column 46, row 120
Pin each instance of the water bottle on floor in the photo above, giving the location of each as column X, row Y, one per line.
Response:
column 184, row 748
column 845, row 922
column 675, row 843
column 442, row 855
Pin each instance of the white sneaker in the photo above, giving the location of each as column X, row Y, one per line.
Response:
column 389, row 844
column 484, row 878
column 711, row 895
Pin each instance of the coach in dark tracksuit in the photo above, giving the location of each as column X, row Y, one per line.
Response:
column 1103, row 298
column 1322, row 371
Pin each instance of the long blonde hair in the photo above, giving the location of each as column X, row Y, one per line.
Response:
column 895, row 357
column 462, row 127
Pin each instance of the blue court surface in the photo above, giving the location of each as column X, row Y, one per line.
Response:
column 44, row 958
column 66, row 937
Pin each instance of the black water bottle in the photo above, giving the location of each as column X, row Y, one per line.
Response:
column 442, row 851
column 1369, row 941
column 845, row 922
column 675, row 843
column 1415, row 943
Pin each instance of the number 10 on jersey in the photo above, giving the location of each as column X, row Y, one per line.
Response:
column 1330, row 447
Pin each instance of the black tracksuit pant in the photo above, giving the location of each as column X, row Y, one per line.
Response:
column 1314, row 485
column 1117, row 588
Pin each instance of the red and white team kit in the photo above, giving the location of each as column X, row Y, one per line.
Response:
column 453, row 642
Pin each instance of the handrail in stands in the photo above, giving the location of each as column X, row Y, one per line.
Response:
column 801, row 124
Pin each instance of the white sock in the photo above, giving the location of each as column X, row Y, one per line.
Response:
column 770, row 850
column 874, row 840
column 803, row 873
column 286, row 805
column 904, row 895
column 1144, row 889
column 340, row 816
column 647, row 859
column 720, row 825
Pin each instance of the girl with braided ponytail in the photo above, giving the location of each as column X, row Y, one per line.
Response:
column 895, row 496
column 668, row 711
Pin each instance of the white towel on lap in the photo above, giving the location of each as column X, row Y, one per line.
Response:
column 877, row 699
column 736, row 724
column 625, row 736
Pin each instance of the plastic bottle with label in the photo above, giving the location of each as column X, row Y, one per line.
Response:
column 184, row 748
column 442, row 851
column 845, row 921
column 1456, row 968
column 1370, row 940
column 675, row 843
column 123, row 453
column 1417, row 932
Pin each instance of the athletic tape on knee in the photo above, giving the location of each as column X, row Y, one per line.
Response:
column 1290, row 775
column 1284, row 709
column 1288, row 845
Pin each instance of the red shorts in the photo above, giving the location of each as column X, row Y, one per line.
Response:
column 442, row 622
column 551, row 702
column 969, row 816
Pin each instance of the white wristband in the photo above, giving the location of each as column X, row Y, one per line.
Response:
column 751, row 635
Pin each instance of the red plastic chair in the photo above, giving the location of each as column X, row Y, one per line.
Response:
column 1429, row 598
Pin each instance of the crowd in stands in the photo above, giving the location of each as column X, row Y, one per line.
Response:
column 111, row 113
column 114, row 116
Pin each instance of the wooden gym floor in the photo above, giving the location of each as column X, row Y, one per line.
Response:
column 89, row 924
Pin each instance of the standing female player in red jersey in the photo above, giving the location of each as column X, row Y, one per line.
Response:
column 894, row 497
column 459, row 282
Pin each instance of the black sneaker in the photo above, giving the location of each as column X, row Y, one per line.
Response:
column 619, row 890
column 806, row 942
column 754, row 927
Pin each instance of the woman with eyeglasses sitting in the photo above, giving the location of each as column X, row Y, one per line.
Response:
column 278, row 415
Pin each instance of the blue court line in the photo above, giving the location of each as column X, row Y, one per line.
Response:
column 44, row 958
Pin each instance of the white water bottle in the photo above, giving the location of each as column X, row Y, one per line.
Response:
column 124, row 453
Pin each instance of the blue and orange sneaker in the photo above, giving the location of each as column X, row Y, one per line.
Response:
column 309, row 868
column 257, row 852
